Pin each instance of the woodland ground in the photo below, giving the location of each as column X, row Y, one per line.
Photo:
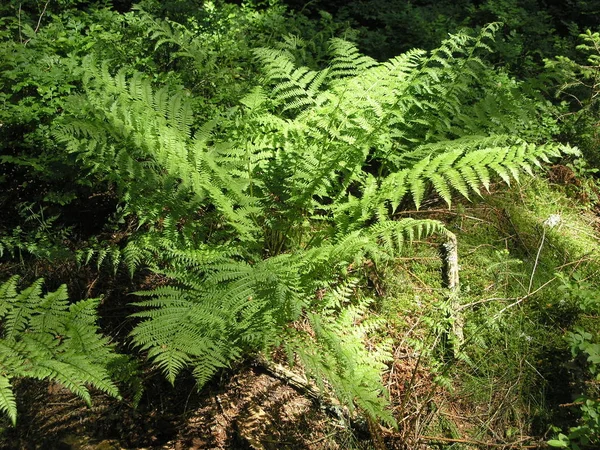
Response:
column 248, row 407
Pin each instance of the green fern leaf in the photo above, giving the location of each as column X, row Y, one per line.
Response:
column 8, row 403
column 416, row 182
column 46, row 338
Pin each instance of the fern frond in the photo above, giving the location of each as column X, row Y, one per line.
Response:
column 22, row 306
column 46, row 338
column 142, row 138
column 334, row 351
column 464, row 169
column 64, row 374
column 392, row 235
column 347, row 60
column 8, row 403
column 295, row 88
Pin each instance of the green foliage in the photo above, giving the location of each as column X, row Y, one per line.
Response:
column 260, row 178
column 257, row 209
column 579, row 89
column 585, row 349
column 579, row 291
column 45, row 337
column 164, row 168
column 102, row 254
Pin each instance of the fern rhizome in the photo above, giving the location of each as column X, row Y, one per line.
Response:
column 260, row 215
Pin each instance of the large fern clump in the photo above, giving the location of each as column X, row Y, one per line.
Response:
column 47, row 338
column 258, row 215
column 444, row 121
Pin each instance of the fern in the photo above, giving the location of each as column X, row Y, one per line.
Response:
column 333, row 353
column 44, row 337
column 417, row 117
column 144, row 140
column 222, row 307
column 254, row 213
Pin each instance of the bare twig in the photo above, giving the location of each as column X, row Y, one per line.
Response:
column 37, row 27
column 569, row 405
column 523, row 298
column 510, row 445
column 326, row 437
column 39, row 22
column 537, row 258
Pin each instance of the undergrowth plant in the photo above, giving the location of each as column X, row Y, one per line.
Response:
column 259, row 214
column 45, row 337
column 529, row 278
column 585, row 351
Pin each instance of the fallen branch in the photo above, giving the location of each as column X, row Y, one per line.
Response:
column 300, row 383
column 509, row 445
column 327, row 402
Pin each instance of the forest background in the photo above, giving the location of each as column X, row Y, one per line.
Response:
column 265, row 224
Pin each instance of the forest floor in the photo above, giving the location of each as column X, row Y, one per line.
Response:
column 248, row 407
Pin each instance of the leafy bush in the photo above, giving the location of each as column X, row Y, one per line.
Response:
column 579, row 90
column 533, row 30
column 585, row 350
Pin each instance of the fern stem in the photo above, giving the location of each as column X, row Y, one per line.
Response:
column 249, row 168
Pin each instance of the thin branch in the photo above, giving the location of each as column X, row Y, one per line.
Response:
column 37, row 27
column 39, row 22
column 504, row 299
column 537, row 259
column 439, row 211
column 480, row 443
column 523, row 298
column 19, row 16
